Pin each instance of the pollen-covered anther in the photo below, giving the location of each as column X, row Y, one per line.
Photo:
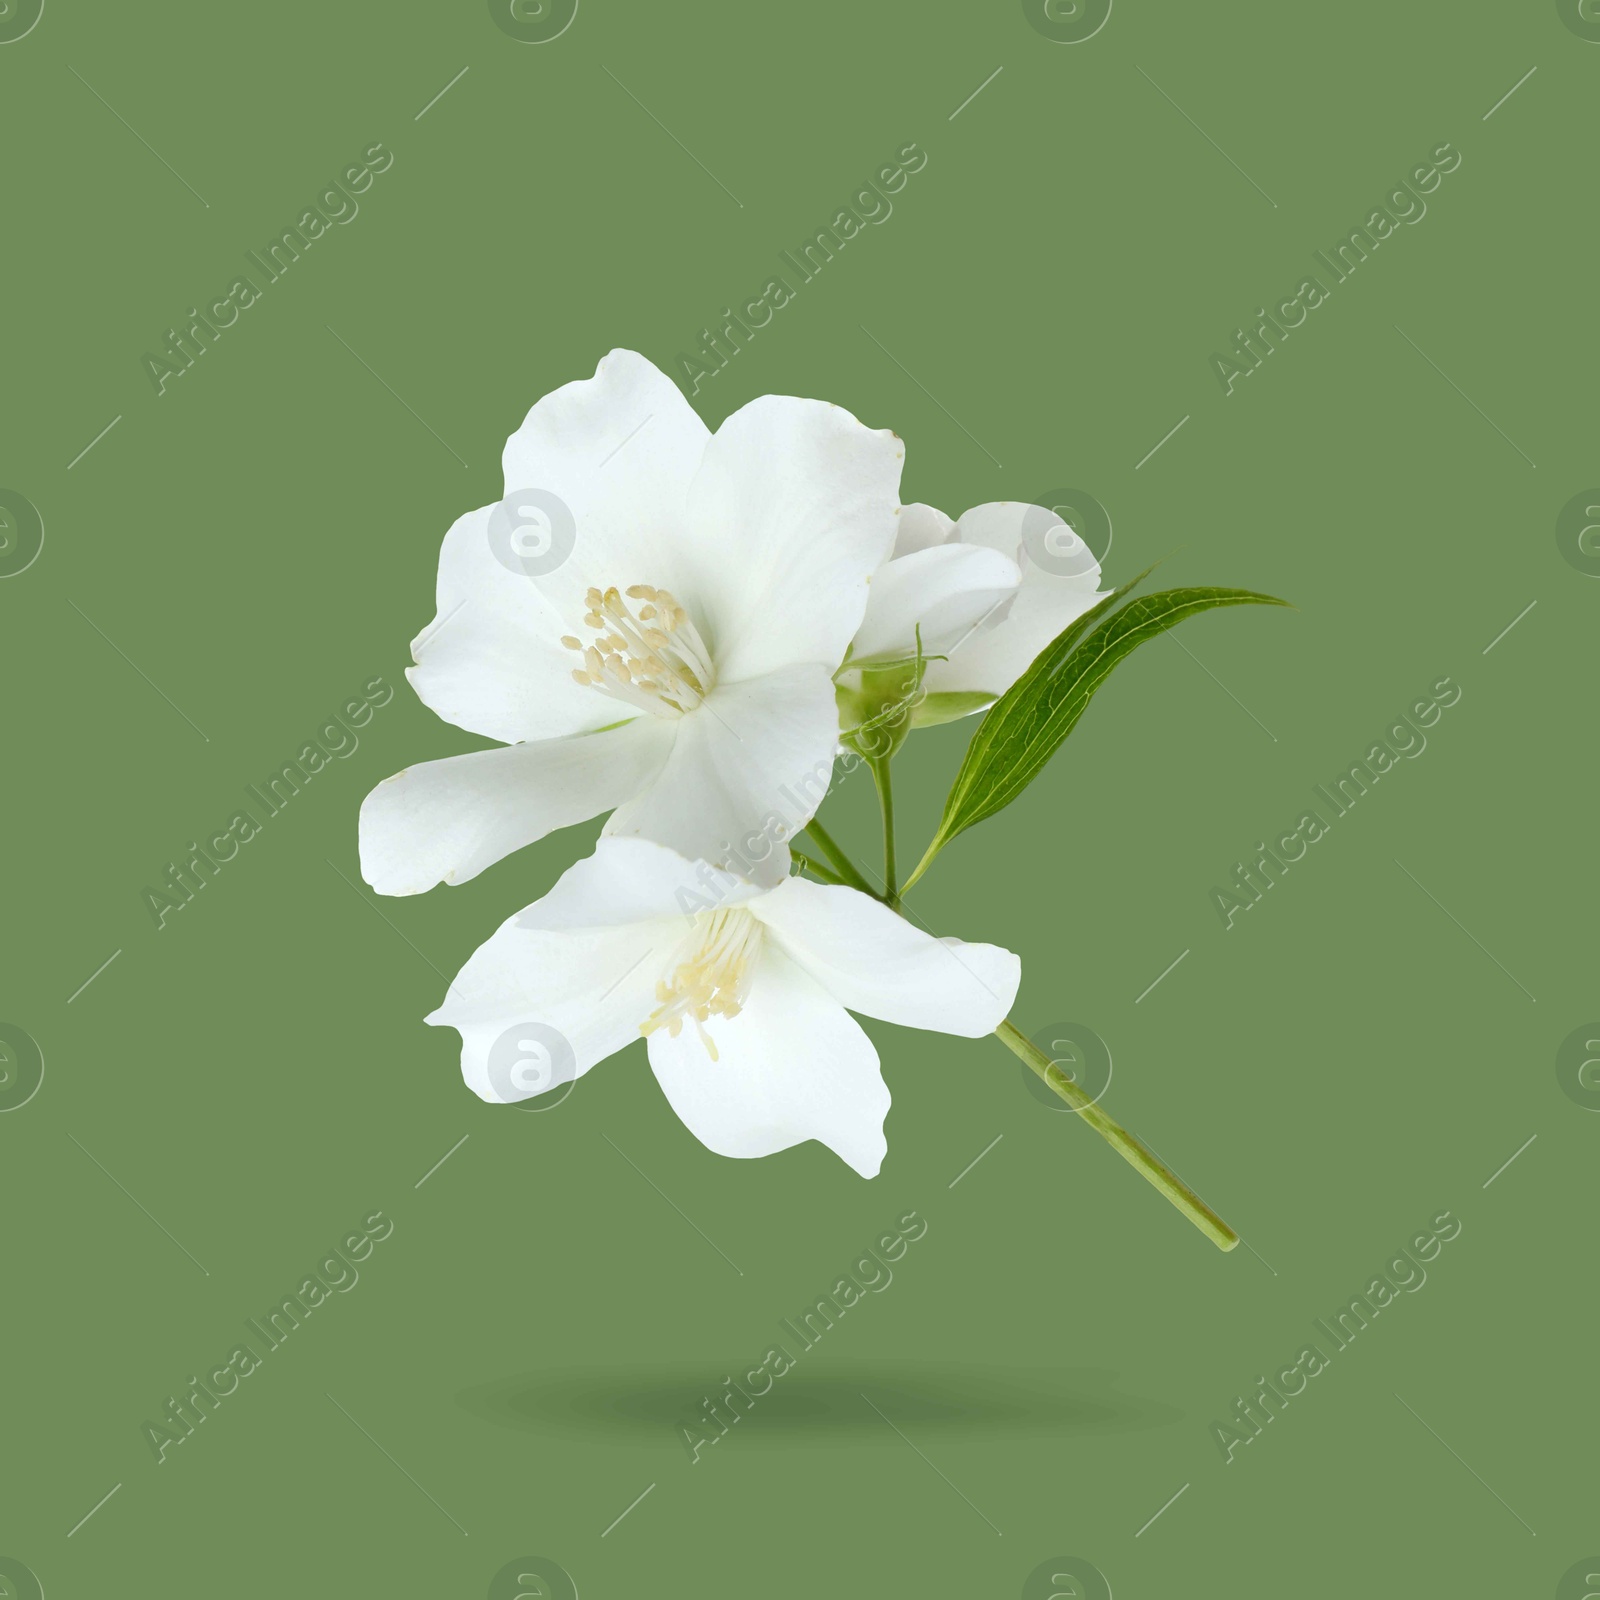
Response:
column 712, row 980
column 652, row 657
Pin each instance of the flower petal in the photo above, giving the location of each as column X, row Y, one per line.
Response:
column 992, row 659
column 445, row 821
column 947, row 590
column 596, row 479
column 1060, row 577
column 793, row 1065
column 491, row 661
column 536, row 1010
column 633, row 880
column 619, row 451
column 920, row 528
column 1045, row 545
column 792, row 510
column 747, row 771
column 883, row 966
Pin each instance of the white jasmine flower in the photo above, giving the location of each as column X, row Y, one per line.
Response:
column 648, row 622
column 742, row 993
column 952, row 578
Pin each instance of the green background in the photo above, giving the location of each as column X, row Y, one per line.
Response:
column 1364, row 1049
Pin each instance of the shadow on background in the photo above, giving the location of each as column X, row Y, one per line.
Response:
column 820, row 1405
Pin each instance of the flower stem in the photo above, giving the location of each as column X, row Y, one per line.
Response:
column 1129, row 1148
column 880, row 776
column 827, row 874
column 842, row 863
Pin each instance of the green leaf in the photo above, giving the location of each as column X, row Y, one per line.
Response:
column 1033, row 717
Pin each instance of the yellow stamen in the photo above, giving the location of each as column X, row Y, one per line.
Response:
column 652, row 657
column 714, row 977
